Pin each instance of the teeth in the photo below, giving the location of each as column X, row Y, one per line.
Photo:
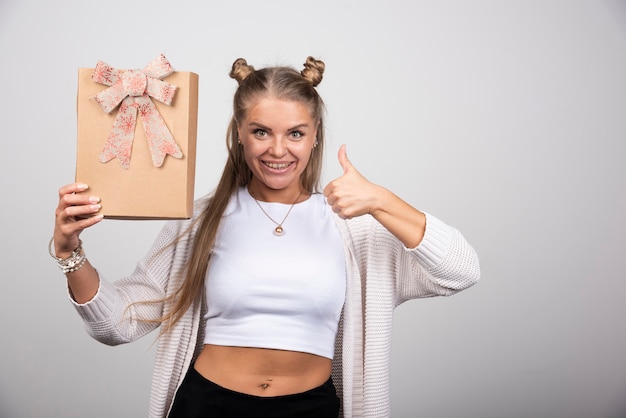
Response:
column 277, row 166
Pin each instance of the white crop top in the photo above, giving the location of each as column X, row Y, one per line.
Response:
column 280, row 292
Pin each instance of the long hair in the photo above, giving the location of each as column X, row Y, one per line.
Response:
column 278, row 82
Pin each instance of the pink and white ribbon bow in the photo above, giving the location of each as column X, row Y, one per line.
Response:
column 133, row 89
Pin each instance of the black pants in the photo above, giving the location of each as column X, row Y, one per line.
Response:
column 198, row 397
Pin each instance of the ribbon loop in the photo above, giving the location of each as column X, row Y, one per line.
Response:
column 131, row 90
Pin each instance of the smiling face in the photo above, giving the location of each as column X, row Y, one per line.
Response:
column 278, row 137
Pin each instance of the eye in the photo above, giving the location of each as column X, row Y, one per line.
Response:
column 296, row 134
column 260, row 133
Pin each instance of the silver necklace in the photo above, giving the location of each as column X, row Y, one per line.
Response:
column 279, row 225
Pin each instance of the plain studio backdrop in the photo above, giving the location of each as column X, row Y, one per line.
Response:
column 506, row 119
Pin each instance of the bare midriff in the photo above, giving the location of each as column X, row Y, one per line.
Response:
column 261, row 371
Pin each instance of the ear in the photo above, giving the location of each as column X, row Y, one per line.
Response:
column 239, row 135
column 317, row 127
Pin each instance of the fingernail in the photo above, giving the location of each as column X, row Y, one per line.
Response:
column 95, row 207
column 94, row 199
column 82, row 186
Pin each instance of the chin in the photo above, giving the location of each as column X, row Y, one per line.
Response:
column 277, row 182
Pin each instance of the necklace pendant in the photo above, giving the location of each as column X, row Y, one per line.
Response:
column 278, row 231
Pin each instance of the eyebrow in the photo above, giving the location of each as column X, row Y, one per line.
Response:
column 260, row 125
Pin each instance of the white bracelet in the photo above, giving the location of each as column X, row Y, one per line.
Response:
column 72, row 263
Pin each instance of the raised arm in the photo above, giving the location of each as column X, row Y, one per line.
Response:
column 75, row 212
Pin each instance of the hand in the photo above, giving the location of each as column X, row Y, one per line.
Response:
column 351, row 195
column 74, row 213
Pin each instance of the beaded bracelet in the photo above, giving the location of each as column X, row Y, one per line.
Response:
column 72, row 263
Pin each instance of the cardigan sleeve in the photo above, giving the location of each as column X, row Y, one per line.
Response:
column 126, row 309
column 443, row 264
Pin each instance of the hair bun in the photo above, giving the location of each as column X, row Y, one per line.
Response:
column 313, row 70
column 241, row 70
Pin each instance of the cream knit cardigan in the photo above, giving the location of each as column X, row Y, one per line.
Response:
column 382, row 273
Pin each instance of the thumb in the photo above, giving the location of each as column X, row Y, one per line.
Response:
column 343, row 159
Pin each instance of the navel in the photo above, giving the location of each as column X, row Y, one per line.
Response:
column 265, row 384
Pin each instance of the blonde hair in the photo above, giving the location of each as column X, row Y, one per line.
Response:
column 278, row 82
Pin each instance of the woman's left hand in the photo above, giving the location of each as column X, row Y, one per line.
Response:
column 352, row 195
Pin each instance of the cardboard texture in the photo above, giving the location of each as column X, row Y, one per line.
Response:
column 142, row 191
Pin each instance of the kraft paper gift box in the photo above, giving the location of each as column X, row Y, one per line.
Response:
column 141, row 167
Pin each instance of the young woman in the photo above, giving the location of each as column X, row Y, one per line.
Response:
column 274, row 300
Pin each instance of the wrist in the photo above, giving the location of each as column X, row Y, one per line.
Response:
column 69, row 263
column 380, row 202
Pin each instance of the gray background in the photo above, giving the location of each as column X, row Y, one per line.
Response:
column 507, row 119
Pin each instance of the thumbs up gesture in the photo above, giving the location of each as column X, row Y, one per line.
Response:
column 351, row 194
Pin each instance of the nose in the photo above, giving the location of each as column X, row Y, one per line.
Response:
column 278, row 147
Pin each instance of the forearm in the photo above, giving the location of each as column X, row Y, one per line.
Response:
column 401, row 219
column 83, row 283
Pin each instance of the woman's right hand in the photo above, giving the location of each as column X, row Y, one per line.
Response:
column 76, row 211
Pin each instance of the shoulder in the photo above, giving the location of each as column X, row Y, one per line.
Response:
column 200, row 204
column 178, row 227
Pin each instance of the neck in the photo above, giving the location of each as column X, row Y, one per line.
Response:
column 288, row 196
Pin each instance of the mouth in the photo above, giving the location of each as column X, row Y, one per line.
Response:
column 276, row 166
